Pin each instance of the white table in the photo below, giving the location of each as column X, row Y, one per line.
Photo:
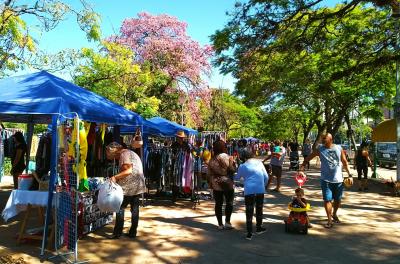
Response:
column 20, row 199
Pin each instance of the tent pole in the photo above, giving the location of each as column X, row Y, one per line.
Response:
column 52, row 182
column 375, row 159
column 30, row 127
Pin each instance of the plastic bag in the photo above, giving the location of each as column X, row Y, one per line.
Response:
column 110, row 197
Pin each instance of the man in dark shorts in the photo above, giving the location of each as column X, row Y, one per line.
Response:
column 333, row 159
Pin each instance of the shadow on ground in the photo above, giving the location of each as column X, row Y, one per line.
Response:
column 178, row 234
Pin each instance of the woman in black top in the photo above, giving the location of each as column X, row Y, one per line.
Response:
column 362, row 161
column 18, row 162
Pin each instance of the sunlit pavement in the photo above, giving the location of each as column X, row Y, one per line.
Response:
column 369, row 232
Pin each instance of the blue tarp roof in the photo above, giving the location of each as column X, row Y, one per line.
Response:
column 158, row 126
column 252, row 139
column 36, row 97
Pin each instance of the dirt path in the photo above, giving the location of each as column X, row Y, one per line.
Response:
column 369, row 233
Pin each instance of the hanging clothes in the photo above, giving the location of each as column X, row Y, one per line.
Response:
column 43, row 155
column 3, row 135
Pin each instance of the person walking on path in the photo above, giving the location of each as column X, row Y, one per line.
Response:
column 219, row 168
column 362, row 161
column 255, row 179
column 131, row 179
column 277, row 158
column 18, row 157
column 307, row 150
column 333, row 159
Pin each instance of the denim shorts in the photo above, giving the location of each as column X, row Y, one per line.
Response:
column 331, row 190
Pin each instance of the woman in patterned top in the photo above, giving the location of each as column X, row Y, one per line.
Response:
column 218, row 175
column 131, row 179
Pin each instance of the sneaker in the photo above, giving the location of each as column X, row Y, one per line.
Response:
column 260, row 230
column 249, row 236
column 228, row 226
column 114, row 236
column 221, row 227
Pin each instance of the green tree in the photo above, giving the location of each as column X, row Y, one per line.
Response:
column 112, row 73
column 350, row 60
column 228, row 113
column 17, row 45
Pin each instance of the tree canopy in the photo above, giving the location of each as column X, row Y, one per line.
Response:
column 329, row 65
column 18, row 46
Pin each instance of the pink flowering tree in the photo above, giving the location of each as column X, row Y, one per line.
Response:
column 162, row 41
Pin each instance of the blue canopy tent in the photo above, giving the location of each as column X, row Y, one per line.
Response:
column 252, row 139
column 35, row 98
column 170, row 128
column 158, row 126
column 40, row 98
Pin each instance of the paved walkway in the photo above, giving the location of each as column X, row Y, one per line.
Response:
column 178, row 234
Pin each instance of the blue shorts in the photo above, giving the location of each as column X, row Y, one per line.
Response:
column 331, row 190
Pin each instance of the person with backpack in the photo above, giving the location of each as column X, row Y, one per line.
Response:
column 362, row 161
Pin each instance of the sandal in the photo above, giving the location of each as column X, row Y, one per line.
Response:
column 336, row 219
column 328, row 225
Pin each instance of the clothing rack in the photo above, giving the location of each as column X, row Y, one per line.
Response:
column 209, row 137
column 7, row 145
column 170, row 171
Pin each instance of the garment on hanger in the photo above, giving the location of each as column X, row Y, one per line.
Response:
column 43, row 155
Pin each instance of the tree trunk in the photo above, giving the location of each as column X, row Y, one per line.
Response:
column 321, row 130
column 307, row 129
column 350, row 133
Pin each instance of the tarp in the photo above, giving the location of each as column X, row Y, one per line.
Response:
column 158, row 126
column 34, row 98
column 252, row 139
column 41, row 97
column 385, row 131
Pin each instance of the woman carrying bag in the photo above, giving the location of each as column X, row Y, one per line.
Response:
column 220, row 170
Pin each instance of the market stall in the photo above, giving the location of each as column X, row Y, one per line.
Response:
column 42, row 98
column 168, row 168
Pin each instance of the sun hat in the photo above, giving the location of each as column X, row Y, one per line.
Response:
column 181, row 134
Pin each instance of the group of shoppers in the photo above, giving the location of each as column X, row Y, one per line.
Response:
column 256, row 179
column 220, row 177
column 221, row 170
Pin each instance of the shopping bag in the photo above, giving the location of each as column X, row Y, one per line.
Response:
column 110, row 197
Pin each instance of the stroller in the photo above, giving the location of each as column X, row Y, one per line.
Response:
column 297, row 220
column 294, row 160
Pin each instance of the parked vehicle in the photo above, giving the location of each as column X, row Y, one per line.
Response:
column 386, row 154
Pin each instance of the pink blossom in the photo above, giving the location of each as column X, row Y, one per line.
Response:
column 162, row 40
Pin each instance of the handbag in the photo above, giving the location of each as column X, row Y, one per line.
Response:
column 137, row 141
column 229, row 172
column 225, row 181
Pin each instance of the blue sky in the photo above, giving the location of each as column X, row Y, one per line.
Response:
column 203, row 19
